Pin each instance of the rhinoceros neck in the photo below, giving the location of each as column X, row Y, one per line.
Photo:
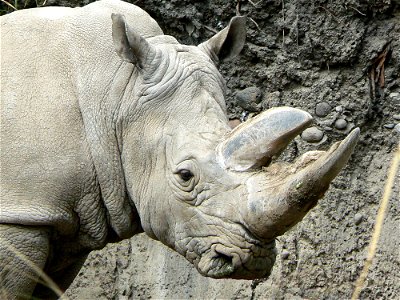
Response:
column 102, row 81
column 100, row 100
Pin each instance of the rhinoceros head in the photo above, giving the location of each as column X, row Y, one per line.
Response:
column 211, row 193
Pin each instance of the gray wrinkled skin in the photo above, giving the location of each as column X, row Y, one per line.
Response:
column 110, row 128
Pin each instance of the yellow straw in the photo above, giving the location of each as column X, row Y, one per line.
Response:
column 378, row 223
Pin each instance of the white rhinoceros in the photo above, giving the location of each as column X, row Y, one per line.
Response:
column 110, row 128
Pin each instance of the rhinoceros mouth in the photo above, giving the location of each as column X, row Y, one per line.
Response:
column 221, row 261
column 216, row 265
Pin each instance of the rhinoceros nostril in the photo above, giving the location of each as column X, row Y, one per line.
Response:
column 226, row 259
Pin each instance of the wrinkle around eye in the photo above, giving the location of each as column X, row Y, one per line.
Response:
column 186, row 197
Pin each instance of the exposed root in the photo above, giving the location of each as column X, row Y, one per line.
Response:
column 352, row 7
column 255, row 23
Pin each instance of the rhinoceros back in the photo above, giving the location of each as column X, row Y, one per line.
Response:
column 47, row 56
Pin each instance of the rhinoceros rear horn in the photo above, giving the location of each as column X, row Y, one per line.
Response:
column 130, row 45
column 227, row 43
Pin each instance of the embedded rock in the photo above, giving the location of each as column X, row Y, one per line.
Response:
column 322, row 109
column 312, row 135
column 249, row 98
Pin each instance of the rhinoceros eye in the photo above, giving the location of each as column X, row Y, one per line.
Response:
column 185, row 175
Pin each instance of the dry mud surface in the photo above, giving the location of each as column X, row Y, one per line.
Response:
column 325, row 57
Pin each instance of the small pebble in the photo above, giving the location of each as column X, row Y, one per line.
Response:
column 233, row 123
column 389, row 126
column 249, row 98
column 339, row 109
column 322, row 109
column 394, row 96
column 244, row 116
column 397, row 128
column 312, row 135
column 340, row 124
column 396, row 117
column 285, row 254
column 358, row 218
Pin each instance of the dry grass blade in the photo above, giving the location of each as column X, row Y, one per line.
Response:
column 47, row 280
column 378, row 224
column 9, row 4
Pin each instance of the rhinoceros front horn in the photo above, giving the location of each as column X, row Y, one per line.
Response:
column 280, row 195
column 255, row 142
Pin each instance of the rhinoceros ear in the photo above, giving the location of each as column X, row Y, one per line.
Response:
column 130, row 45
column 227, row 43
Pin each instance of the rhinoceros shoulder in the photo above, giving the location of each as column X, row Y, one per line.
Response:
column 96, row 14
column 140, row 20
